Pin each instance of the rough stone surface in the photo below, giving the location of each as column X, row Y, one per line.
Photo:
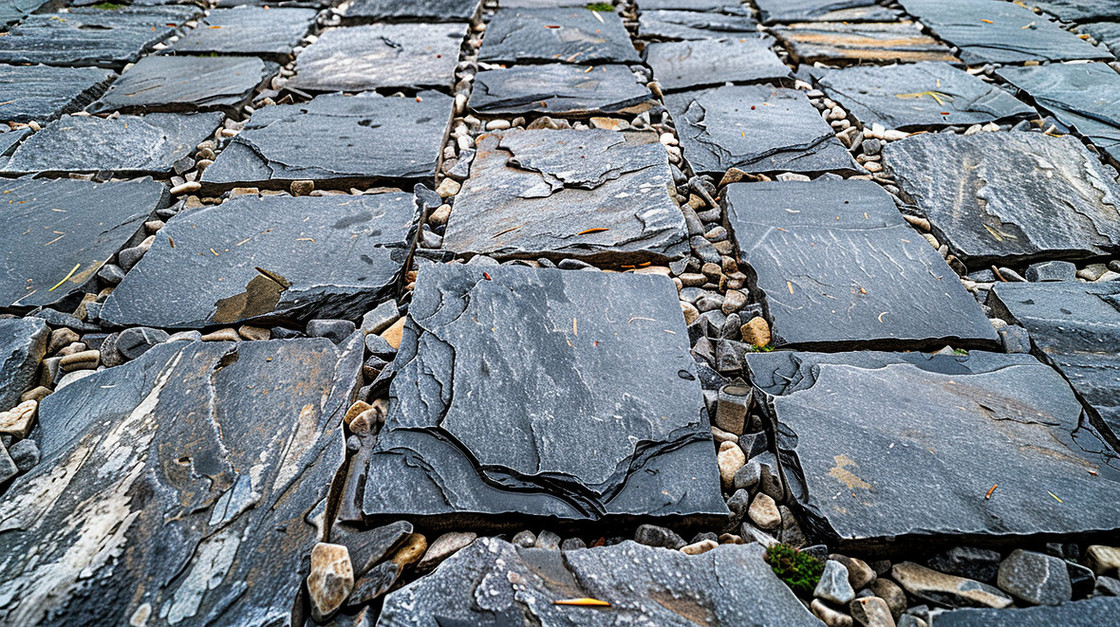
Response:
column 969, row 562
column 1097, row 611
column 684, row 25
column 1078, row 10
column 833, row 42
column 13, row 11
column 331, row 579
column 185, row 84
column 575, row 35
column 269, row 33
column 947, row 590
column 23, row 343
column 42, row 92
column 833, row 585
column 1035, row 578
column 558, row 89
column 1107, row 33
column 786, row 11
column 425, row 10
column 689, row 64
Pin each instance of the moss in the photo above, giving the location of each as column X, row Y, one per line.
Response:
column 759, row 349
column 960, row 351
column 601, row 6
column 800, row 571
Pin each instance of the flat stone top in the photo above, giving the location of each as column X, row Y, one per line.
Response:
column 558, row 89
column 1095, row 611
column 1107, row 33
column 1007, row 197
column 684, row 25
column 12, row 11
column 1078, row 10
column 689, row 64
column 575, row 35
column 43, row 92
column 785, row 11
column 844, row 42
column 172, row 83
column 249, row 31
column 426, row 10
column 694, row 5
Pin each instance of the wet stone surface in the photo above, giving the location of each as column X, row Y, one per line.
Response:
column 185, row 84
column 690, row 64
column 267, row 33
column 685, row 25
column 362, row 11
column 43, row 92
column 575, row 35
column 558, row 89
column 787, row 11
column 833, row 42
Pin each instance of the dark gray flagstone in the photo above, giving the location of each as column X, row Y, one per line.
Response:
column 1078, row 10
column 415, row 10
column 269, row 33
column 694, row 5
column 1009, row 197
column 575, row 35
column 832, row 42
column 756, row 128
column 591, row 194
column 1107, row 33
column 43, row 92
column 837, row 266
column 330, row 140
column 688, row 64
column 558, row 89
column 684, row 25
column 172, row 83
column 268, row 263
column 23, row 343
column 9, row 140
column 12, row 11
column 786, row 11
column 66, row 229
column 135, row 145
column 547, row 394
column 1095, row 611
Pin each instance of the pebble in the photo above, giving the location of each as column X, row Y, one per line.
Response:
column 748, row 477
column 186, row 188
column 764, row 513
column 937, row 587
column 334, row 330
column 756, row 332
column 331, row 579
column 18, row 420
column 696, row 548
column 890, row 592
column 392, row 335
column 25, row 454
column 444, row 547
column 833, row 585
column 221, row 335
column 1104, row 560
column 135, row 341
column 250, row 332
column 829, row 616
column 440, row 215
column 525, row 539
column 85, row 360
column 871, row 612
column 414, row 547
column 733, row 301
column 301, row 188
column 691, row 313
column 730, row 460
column 1035, row 578
column 548, row 540
column 860, row 575
column 448, row 187
column 653, row 535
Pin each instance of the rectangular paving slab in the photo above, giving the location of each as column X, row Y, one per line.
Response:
column 266, row 33
column 524, row 393
column 841, row 42
column 838, row 267
column 1009, row 197
column 689, row 64
column 44, row 92
column 329, row 139
column 756, row 128
column 593, row 194
column 267, row 262
column 171, row 83
column 559, row 89
column 363, row 11
column 786, row 11
column 575, row 35
column 685, row 25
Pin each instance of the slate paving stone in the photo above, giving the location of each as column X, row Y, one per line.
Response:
column 919, row 95
column 1096, row 611
column 267, row 33
column 689, row 64
column 840, row 42
column 694, row 5
column 575, row 35
column 730, row 585
column 1078, row 10
column 267, row 264
column 129, row 144
column 559, row 89
column 868, row 441
column 839, row 267
column 787, row 11
column 686, row 25
column 43, row 92
column 328, row 140
column 756, row 128
column 1078, row 95
column 10, row 139
column 418, row 10
column 995, row 31
column 171, row 83
column 12, row 11
column 592, row 194
column 23, row 343
column 1107, row 33
column 381, row 56
column 503, row 382
column 191, row 478
column 1009, row 197
column 60, row 224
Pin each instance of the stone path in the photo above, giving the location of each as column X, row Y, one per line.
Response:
column 523, row 312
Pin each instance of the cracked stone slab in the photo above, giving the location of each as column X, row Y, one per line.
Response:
column 1078, row 10
column 1095, row 611
column 756, row 128
column 575, row 35
column 868, row 441
column 995, row 31
column 328, row 140
column 1107, row 33
column 23, row 344
column 1009, row 197
column 832, row 42
column 787, row 11
column 685, row 25
column 171, row 83
column 61, row 231
column 381, row 56
column 10, row 139
column 919, row 95
column 559, row 89
column 591, row 194
column 729, row 585
column 417, row 10
column 43, row 92
column 267, row 264
column 183, row 485
column 268, row 33
column 837, row 266
column 12, row 11
column 689, row 64
column 694, row 5
column 1078, row 96
column 129, row 144
column 503, row 379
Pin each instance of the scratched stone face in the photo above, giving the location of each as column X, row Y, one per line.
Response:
column 363, row 11
column 269, row 33
column 172, row 83
column 787, row 11
column 842, row 42
column 43, row 92
column 565, row 35
column 674, row 25
column 560, row 89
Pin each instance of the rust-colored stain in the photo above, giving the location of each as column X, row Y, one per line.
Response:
column 841, row 473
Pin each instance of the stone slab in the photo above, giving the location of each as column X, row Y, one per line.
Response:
column 787, row 11
column 838, row 267
column 1086, row 613
column 171, row 83
column 56, row 225
column 839, row 42
column 558, row 89
column 362, row 11
column 685, row 25
column 524, row 393
column 129, row 144
column 381, row 56
column 1009, row 197
column 183, row 483
column 689, row 64
column 23, row 343
column 12, row 11
column 267, row 33
column 575, row 35
column 43, row 92
column 267, row 265
column 756, row 128
column 919, row 95
column 695, row 5
column 1107, row 33
column 592, row 194
column 1078, row 10
column 328, row 140
column 10, row 139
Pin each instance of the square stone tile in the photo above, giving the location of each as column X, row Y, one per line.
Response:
column 186, row 84
column 840, row 42
column 43, row 92
column 689, row 64
column 268, row 33
column 672, row 25
column 575, row 35
column 559, row 89
column 787, row 11
column 365, row 11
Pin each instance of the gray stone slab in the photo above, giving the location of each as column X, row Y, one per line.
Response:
column 840, row 42
column 185, row 485
column 559, row 89
column 1078, row 10
column 268, row 33
column 995, row 31
column 1107, row 33
column 12, row 11
column 919, row 95
column 129, row 144
column 786, row 11
column 267, row 265
column 694, row 5
column 684, row 25
column 575, row 35
column 171, row 83
column 593, row 194
column 43, row 92
column 756, row 128
column 416, row 10
column 9, row 140
column 1009, row 197
column 1082, row 96
column 66, row 229
column 838, row 267
column 688, row 64
column 503, row 379
column 337, row 140
column 23, row 343
column 1087, row 613
column 730, row 585
column 381, row 56
column 897, row 453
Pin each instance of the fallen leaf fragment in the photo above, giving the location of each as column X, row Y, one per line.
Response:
column 594, row 230
column 584, row 602
column 66, row 278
